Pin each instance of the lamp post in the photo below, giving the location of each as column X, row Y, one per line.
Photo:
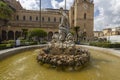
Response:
column 40, row 13
column 65, row 4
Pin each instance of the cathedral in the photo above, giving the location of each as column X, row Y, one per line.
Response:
column 80, row 14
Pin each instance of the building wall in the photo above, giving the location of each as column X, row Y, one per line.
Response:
column 50, row 18
column 14, row 4
column 27, row 18
column 83, row 16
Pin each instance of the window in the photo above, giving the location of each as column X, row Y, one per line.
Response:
column 54, row 19
column 85, row 16
column 48, row 19
column 73, row 21
column 60, row 19
column 36, row 18
column 17, row 17
column 30, row 18
column 24, row 18
column 43, row 19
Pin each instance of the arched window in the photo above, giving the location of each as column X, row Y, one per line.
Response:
column 24, row 18
column 17, row 17
column 43, row 19
column 85, row 16
column 36, row 18
column 30, row 18
column 48, row 19
column 54, row 19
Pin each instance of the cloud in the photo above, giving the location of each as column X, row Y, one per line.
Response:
column 35, row 4
column 56, row 4
column 109, row 14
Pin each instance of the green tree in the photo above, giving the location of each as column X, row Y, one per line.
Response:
column 38, row 34
column 24, row 33
column 76, row 29
column 5, row 11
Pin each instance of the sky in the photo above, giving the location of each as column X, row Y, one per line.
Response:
column 106, row 12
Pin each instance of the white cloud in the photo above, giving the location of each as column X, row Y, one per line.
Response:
column 109, row 14
column 56, row 4
column 29, row 4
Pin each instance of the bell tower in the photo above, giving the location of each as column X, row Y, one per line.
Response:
column 83, row 16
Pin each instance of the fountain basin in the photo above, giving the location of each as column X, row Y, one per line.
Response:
column 23, row 66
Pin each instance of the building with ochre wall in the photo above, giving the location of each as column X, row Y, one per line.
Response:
column 80, row 14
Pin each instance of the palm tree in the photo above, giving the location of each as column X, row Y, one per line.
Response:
column 76, row 29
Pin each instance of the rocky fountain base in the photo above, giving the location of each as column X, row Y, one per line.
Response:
column 74, row 58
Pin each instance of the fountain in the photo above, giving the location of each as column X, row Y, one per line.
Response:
column 62, row 51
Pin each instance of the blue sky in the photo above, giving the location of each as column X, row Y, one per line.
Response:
column 106, row 12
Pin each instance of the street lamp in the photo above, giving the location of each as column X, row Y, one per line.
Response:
column 40, row 12
column 65, row 5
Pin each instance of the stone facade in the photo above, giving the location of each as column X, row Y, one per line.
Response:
column 107, row 32
column 98, row 34
column 81, row 14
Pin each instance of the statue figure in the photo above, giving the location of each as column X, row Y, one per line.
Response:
column 64, row 39
column 64, row 26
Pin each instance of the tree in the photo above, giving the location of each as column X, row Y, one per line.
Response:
column 37, row 33
column 76, row 29
column 24, row 33
column 5, row 11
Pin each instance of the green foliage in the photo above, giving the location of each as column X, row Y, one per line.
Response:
column 5, row 11
column 37, row 33
column 6, row 46
column 26, row 42
column 25, row 33
column 2, row 46
column 105, row 44
column 8, row 42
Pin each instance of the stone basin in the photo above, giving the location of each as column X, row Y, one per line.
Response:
column 23, row 66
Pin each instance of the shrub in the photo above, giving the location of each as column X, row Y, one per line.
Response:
column 10, row 45
column 105, row 44
column 32, row 43
column 2, row 46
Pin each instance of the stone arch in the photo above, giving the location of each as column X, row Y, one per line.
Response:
column 50, row 34
column 10, row 35
column 17, row 34
column 4, row 35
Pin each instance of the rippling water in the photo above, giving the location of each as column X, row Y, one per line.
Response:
column 24, row 66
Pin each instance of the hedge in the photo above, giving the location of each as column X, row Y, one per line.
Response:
column 105, row 45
